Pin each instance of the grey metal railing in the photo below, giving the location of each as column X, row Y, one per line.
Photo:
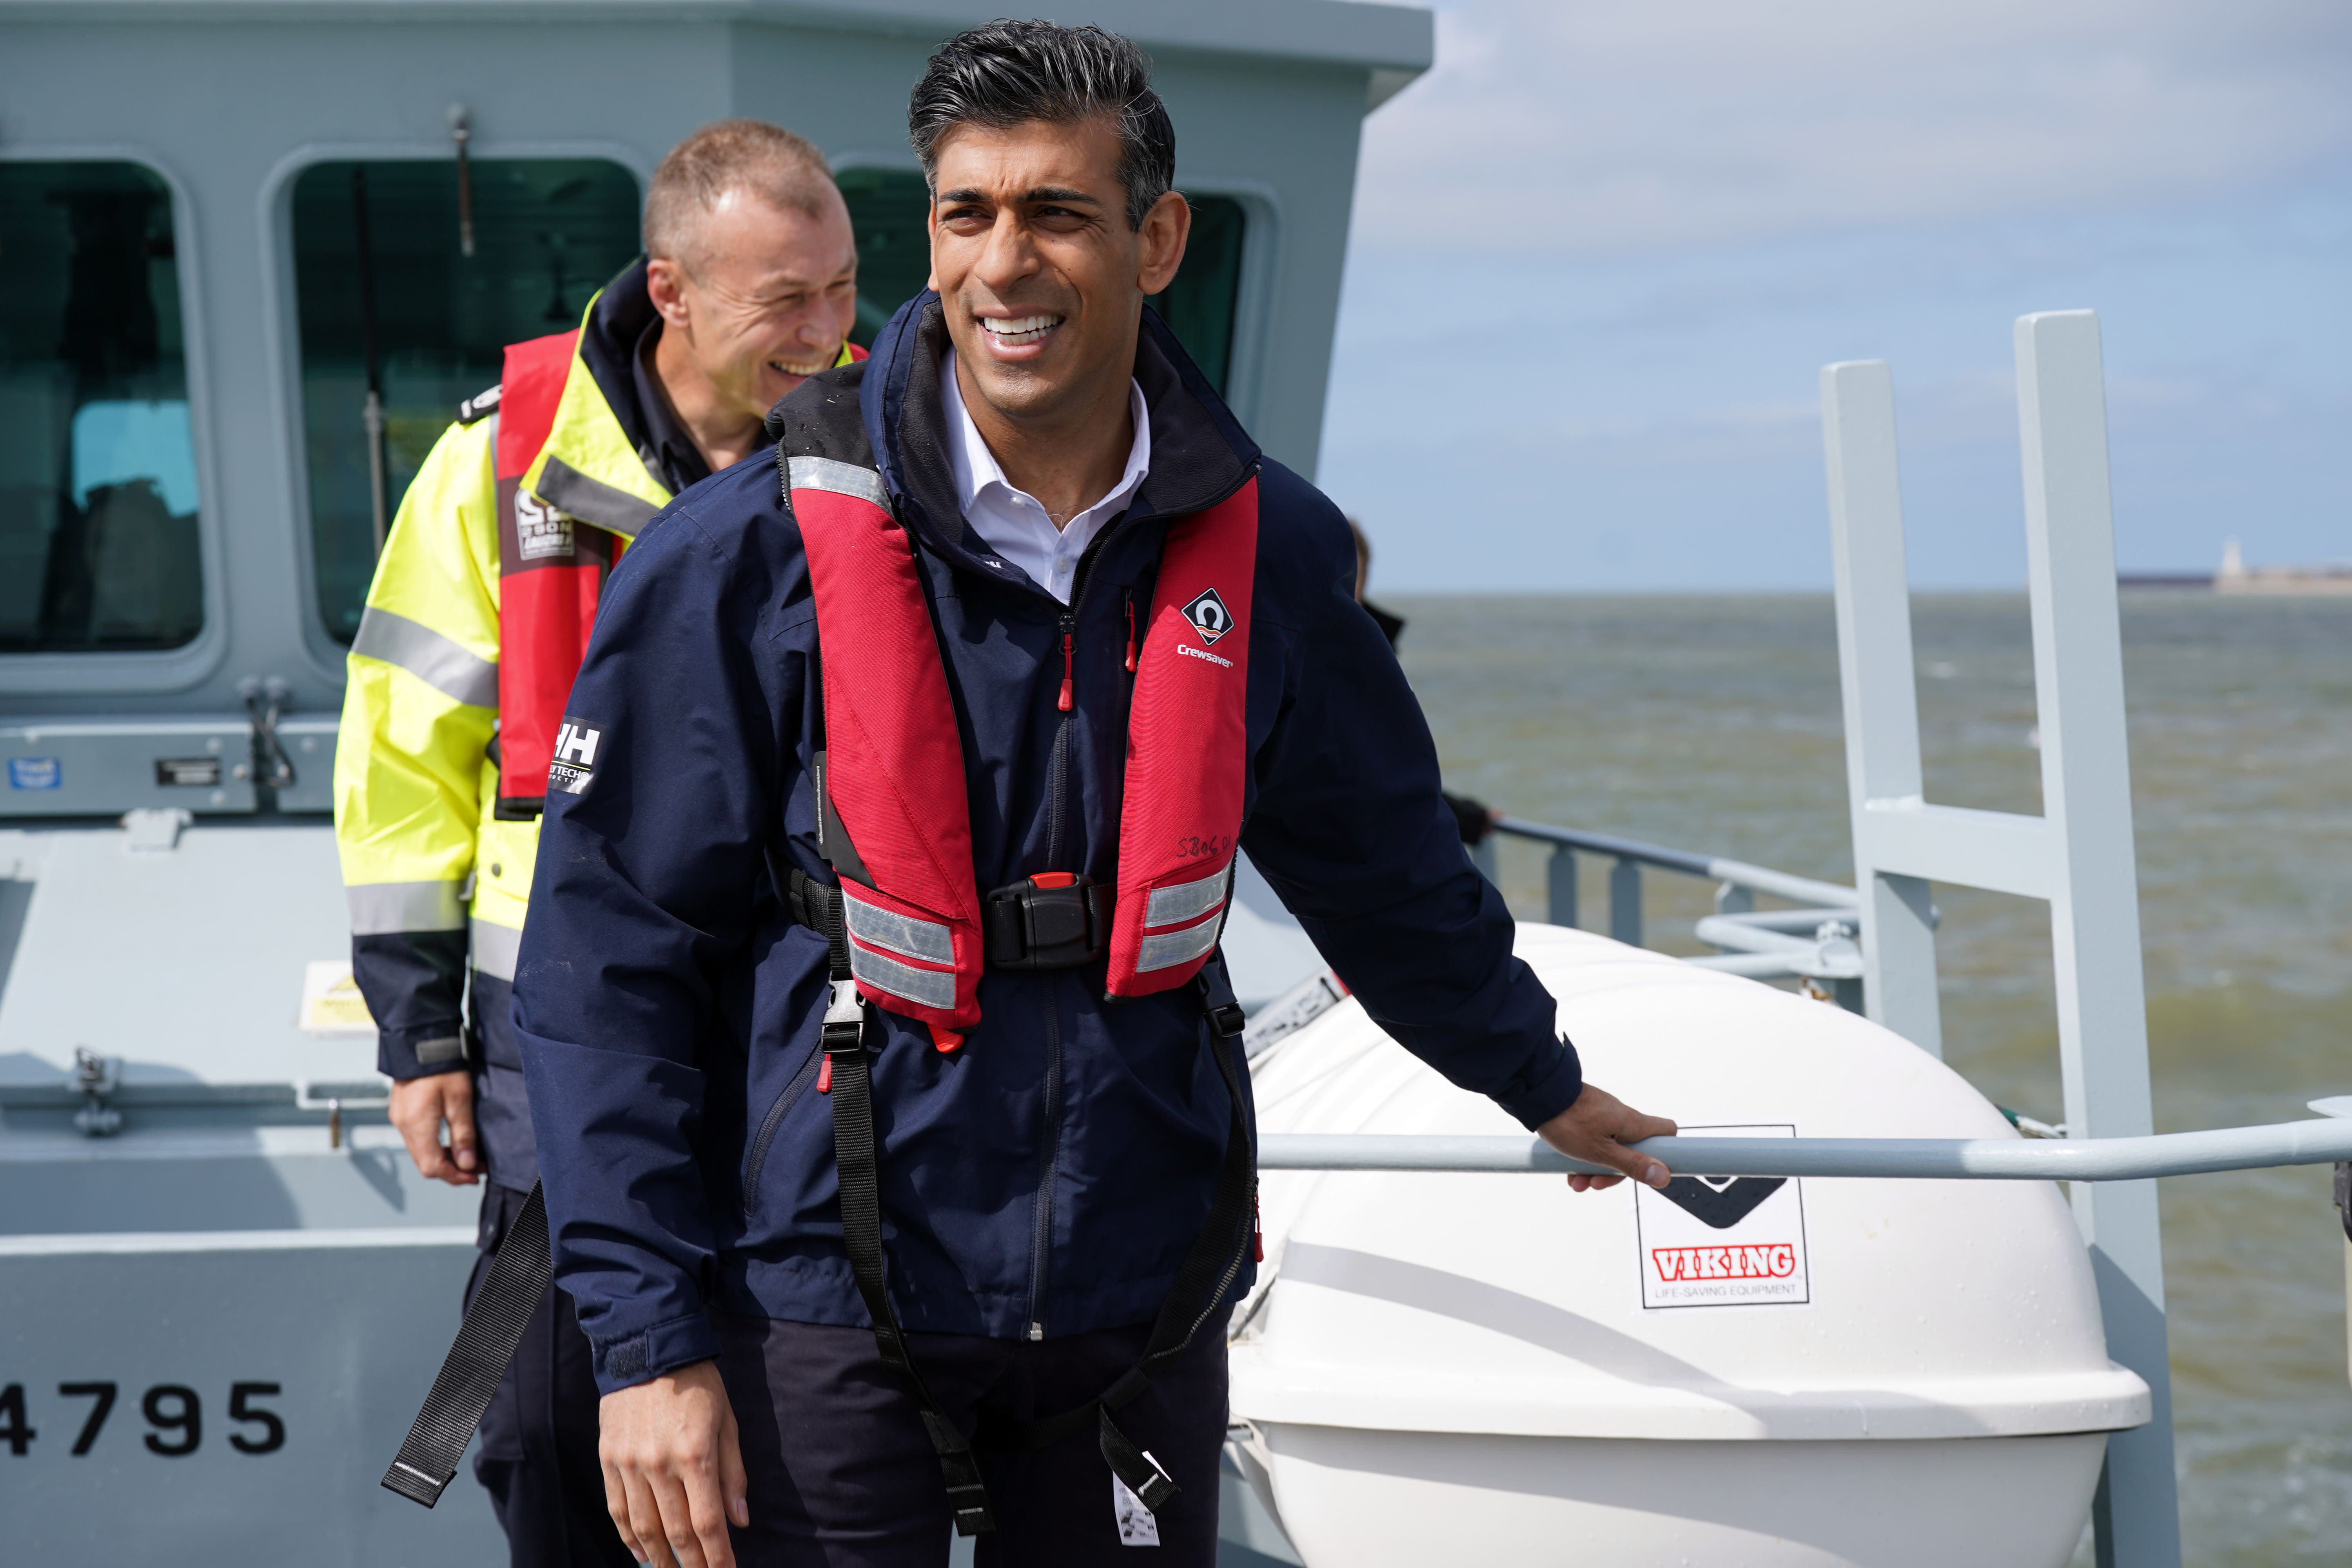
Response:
column 1817, row 940
column 2320, row 1142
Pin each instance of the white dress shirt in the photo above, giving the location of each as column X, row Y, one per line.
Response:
column 1013, row 522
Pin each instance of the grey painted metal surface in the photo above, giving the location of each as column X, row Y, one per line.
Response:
column 184, row 963
column 1881, row 699
column 258, row 1178
column 2078, row 680
column 1763, row 945
column 342, row 1329
column 2078, row 855
column 2132, row 1160
column 1720, row 869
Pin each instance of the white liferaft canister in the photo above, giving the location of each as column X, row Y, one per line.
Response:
column 1492, row 1369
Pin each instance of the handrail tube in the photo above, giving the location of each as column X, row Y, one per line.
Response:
column 2315, row 1143
column 1763, row 878
column 1796, row 890
column 1760, row 965
column 1828, row 958
column 1803, row 922
column 1721, row 930
column 1607, row 844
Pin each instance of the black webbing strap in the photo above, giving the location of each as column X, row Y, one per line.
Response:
column 1208, row 1273
column 1210, row 1266
column 859, row 1172
column 485, row 1343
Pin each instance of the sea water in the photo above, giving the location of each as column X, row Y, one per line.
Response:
column 1713, row 723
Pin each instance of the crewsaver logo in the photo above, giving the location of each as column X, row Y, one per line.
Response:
column 1209, row 616
column 576, row 745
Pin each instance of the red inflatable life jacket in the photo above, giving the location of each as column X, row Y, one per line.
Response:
column 893, row 773
column 552, row 569
column 551, row 572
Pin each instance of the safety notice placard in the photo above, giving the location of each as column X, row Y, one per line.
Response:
column 331, row 1003
column 1724, row 1241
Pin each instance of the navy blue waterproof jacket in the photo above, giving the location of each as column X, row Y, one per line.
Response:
column 1048, row 1178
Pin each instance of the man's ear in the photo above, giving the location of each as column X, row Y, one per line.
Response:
column 666, row 287
column 1160, row 248
column 931, row 227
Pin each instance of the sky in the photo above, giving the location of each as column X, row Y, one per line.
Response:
column 1600, row 253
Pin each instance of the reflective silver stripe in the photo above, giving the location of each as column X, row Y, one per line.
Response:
column 900, row 933
column 1170, row 948
column 1182, row 901
column 495, row 948
column 931, row 987
column 593, row 502
column 440, row 662
column 448, row 1048
column 381, row 909
column 842, row 478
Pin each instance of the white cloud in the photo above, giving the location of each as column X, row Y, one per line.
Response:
column 1587, row 129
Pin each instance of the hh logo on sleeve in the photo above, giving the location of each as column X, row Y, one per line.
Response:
column 576, row 745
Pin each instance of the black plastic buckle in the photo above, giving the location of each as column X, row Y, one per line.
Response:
column 1218, row 1003
column 845, row 1021
column 1055, row 919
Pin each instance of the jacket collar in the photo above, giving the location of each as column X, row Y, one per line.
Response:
column 596, row 465
column 1200, row 454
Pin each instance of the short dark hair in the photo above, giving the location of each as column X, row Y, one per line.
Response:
column 1012, row 73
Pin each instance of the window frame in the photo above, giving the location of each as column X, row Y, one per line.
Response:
column 1253, row 294
column 158, row 671
column 282, row 317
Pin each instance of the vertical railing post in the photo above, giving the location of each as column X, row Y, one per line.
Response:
column 1560, row 883
column 1482, row 855
column 1625, row 902
column 2094, row 906
column 1882, row 701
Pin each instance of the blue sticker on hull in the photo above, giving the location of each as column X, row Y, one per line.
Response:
column 34, row 772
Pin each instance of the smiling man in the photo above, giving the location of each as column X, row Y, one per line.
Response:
column 452, row 718
column 898, row 1142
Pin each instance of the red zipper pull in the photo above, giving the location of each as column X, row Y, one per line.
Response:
column 1068, row 656
column 824, row 1074
column 1130, row 631
column 1257, row 1233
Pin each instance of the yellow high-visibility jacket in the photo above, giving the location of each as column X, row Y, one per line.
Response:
column 437, row 884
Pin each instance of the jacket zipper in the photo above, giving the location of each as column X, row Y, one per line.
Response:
column 769, row 1124
column 1041, row 1240
column 1057, row 803
column 1056, row 812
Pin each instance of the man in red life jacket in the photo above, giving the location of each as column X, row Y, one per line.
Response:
column 474, row 628
column 894, row 1129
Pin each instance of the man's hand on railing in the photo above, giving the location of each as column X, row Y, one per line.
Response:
column 1597, row 1128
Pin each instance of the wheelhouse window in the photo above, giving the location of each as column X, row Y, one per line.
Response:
column 389, row 300
column 890, row 209
column 98, row 471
